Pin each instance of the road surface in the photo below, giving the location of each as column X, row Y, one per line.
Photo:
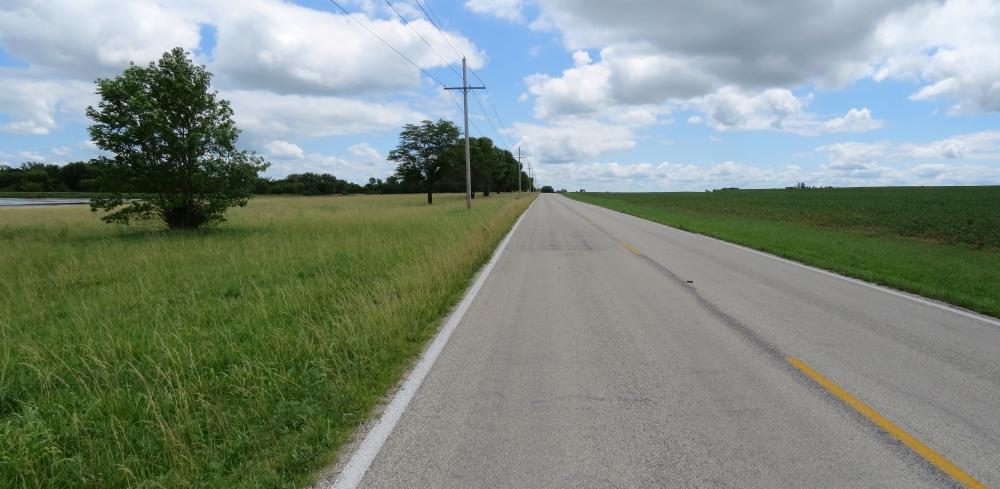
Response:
column 608, row 351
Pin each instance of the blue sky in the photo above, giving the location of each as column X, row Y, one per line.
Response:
column 637, row 95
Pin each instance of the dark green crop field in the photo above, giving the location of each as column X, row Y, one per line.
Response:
column 939, row 242
column 952, row 214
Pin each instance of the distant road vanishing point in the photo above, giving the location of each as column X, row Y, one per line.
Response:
column 603, row 350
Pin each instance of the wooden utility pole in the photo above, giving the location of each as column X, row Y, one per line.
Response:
column 468, row 160
column 519, row 171
column 531, row 179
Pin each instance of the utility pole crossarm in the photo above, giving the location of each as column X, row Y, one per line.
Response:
column 465, row 106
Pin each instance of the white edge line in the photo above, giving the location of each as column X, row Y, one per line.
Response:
column 355, row 470
column 905, row 295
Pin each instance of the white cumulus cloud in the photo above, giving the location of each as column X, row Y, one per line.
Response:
column 270, row 116
column 364, row 152
column 286, row 48
column 34, row 105
column 572, row 141
column 872, row 160
column 775, row 109
column 291, row 72
column 505, row 9
column 740, row 63
column 284, row 150
column 952, row 48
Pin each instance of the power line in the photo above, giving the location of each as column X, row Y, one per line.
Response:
column 387, row 44
column 432, row 49
column 460, row 108
column 490, row 121
column 422, row 37
column 492, row 105
column 439, row 23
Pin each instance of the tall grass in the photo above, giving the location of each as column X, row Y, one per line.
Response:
column 241, row 356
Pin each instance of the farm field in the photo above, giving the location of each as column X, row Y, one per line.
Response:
column 240, row 356
column 939, row 242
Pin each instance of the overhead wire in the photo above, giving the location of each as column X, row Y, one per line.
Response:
column 408, row 59
column 457, row 51
column 438, row 29
column 470, row 120
column 422, row 38
column 494, row 109
column 438, row 26
column 490, row 121
column 387, row 44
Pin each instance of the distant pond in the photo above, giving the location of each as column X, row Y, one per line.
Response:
column 5, row 202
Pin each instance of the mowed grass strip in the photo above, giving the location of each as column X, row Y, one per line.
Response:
column 240, row 356
column 938, row 242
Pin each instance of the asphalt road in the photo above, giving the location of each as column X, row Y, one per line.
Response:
column 608, row 351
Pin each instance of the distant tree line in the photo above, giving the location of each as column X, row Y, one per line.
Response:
column 38, row 177
column 493, row 170
column 431, row 158
column 84, row 176
column 308, row 184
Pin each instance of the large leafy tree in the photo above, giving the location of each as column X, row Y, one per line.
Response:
column 483, row 158
column 425, row 153
column 505, row 171
column 174, row 140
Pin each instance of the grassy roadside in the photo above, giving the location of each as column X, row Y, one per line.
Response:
column 960, row 273
column 241, row 356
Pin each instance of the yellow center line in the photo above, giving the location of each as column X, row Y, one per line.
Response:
column 915, row 444
column 591, row 222
column 633, row 250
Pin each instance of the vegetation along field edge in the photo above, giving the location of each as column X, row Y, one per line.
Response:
column 961, row 274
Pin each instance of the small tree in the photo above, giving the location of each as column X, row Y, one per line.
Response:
column 425, row 153
column 173, row 140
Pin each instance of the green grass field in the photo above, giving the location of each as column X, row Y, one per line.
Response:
column 939, row 242
column 241, row 356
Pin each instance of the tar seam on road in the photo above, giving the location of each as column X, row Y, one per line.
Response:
column 774, row 352
column 355, row 470
column 933, row 457
column 945, row 307
column 770, row 351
